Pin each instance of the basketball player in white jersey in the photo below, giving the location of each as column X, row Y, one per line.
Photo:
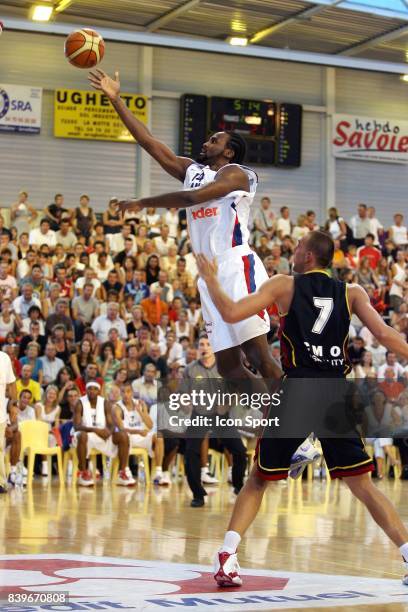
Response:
column 218, row 193
column 94, row 431
column 131, row 416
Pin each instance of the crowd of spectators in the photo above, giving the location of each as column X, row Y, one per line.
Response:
column 113, row 298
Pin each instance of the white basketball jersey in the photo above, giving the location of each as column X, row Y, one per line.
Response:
column 93, row 417
column 131, row 418
column 220, row 224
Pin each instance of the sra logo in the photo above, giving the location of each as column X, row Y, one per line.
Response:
column 4, row 103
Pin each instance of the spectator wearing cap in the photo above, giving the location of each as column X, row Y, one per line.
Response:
column 61, row 318
column 23, row 302
column 104, row 323
column 65, row 236
column 42, row 235
column 112, row 218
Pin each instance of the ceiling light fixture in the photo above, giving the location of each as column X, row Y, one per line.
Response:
column 42, row 12
column 237, row 41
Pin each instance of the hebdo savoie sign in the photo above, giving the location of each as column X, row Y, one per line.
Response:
column 20, row 108
column 370, row 139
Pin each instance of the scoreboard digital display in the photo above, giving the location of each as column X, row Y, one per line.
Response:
column 272, row 131
column 248, row 117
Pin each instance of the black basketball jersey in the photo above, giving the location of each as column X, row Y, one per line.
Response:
column 314, row 333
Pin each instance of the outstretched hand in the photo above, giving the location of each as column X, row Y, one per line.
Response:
column 207, row 269
column 100, row 80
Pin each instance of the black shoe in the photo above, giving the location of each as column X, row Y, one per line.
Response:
column 197, row 502
column 4, row 490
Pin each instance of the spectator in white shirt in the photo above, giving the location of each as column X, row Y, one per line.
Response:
column 174, row 349
column 89, row 277
column 8, row 283
column 398, row 232
column 284, row 226
column 51, row 364
column 378, row 352
column 163, row 242
column 145, row 387
column 23, row 303
column 104, row 323
column 376, row 227
column 171, row 218
column 117, row 241
column 42, row 235
column 391, row 362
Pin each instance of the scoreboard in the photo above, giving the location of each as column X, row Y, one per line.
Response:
column 272, row 131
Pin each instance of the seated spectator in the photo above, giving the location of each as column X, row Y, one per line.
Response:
column 390, row 386
column 365, row 368
column 277, row 263
column 137, row 288
column 25, row 410
column 185, row 279
column 93, row 430
column 182, row 327
column 398, row 232
column 391, row 362
column 32, row 358
column 154, row 307
column 169, row 262
column 119, row 345
column 49, row 412
column 145, row 387
column 104, row 323
column 378, row 353
column 66, row 287
column 365, row 276
column 51, row 364
column 301, row 228
column 34, row 315
column 141, row 236
column 369, row 251
column 23, row 302
column 42, row 235
column 112, row 283
column 163, row 286
column 339, row 260
column 151, row 218
column 263, row 249
column 107, row 363
column 8, row 283
column 62, row 344
column 85, row 309
column 89, row 277
column 33, row 336
column 131, row 362
column 60, row 318
column 173, row 350
column 154, row 357
column 152, row 269
column 65, row 236
column 26, row 383
column 287, row 248
column 123, row 242
column 356, row 350
column 163, row 242
column 9, row 322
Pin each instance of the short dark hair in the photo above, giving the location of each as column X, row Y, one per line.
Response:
column 238, row 146
column 322, row 246
column 44, row 220
column 370, row 236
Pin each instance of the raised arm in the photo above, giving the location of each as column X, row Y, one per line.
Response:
column 359, row 303
column 174, row 165
column 228, row 179
column 272, row 290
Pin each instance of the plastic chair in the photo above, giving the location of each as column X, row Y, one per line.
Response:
column 34, row 441
column 395, row 454
column 142, row 454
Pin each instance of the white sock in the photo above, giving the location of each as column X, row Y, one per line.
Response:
column 404, row 551
column 204, row 470
column 158, row 470
column 13, row 468
column 231, row 541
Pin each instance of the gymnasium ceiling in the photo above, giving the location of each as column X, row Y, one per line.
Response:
column 369, row 29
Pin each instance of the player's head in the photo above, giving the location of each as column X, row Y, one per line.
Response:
column 227, row 147
column 315, row 250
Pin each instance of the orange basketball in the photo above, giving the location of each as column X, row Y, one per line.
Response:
column 84, row 48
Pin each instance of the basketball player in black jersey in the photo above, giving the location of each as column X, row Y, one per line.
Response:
column 316, row 310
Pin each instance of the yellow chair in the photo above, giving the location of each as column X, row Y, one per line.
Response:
column 72, row 454
column 34, row 441
column 395, row 455
column 142, row 454
column 216, row 463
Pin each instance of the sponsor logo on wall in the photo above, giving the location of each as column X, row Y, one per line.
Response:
column 106, row 583
column 20, row 108
column 370, row 139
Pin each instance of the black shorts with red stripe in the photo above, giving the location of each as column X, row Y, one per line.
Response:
column 344, row 456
